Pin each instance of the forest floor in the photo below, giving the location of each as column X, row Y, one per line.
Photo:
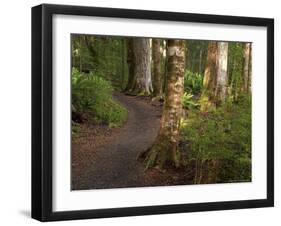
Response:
column 104, row 157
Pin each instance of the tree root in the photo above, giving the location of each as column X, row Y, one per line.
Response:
column 160, row 156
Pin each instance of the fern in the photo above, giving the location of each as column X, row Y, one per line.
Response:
column 193, row 82
column 92, row 95
column 188, row 102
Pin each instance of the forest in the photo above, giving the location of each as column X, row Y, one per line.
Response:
column 158, row 112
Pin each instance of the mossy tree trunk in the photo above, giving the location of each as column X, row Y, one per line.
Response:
column 90, row 42
column 200, row 61
column 250, row 71
column 142, row 84
column 164, row 150
column 221, row 84
column 131, row 64
column 207, row 98
column 157, row 74
column 246, row 67
column 123, row 62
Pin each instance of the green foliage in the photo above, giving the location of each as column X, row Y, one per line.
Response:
column 101, row 54
column 188, row 102
column 235, row 68
column 196, row 55
column 193, row 82
column 92, row 95
column 220, row 140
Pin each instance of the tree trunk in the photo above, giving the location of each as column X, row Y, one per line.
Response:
column 164, row 149
column 221, row 72
column 250, row 71
column 80, row 54
column 142, row 82
column 157, row 75
column 131, row 65
column 200, row 62
column 233, row 84
column 246, row 63
column 123, row 62
column 207, row 99
column 165, row 60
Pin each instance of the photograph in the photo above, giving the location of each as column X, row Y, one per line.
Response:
column 159, row 112
column 141, row 112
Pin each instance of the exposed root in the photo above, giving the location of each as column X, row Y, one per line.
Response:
column 158, row 98
column 161, row 155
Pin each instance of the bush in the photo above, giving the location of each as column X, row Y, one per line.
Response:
column 188, row 102
column 92, row 96
column 219, row 143
column 193, row 82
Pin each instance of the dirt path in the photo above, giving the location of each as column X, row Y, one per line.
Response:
column 107, row 158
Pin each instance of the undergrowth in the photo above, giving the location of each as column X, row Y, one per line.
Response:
column 218, row 142
column 92, row 98
column 193, row 82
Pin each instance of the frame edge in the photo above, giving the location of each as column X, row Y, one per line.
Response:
column 36, row 69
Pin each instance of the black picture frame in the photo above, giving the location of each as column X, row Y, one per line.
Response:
column 42, row 111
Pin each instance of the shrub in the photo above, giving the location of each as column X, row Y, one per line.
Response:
column 193, row 82
column 92, row 96
column 219, row 143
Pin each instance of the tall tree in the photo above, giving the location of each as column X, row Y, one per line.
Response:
column 131, row 64
column 246, row 67
column 235, row 69
column 221, row 83
column 157, row 74
column 207, row 98
column 123, row 61
column 142, row 81
column 90, row 43
column 200, row 61
column 164, row 149
column 250, row 71
column 165, row 67
column 80, row 55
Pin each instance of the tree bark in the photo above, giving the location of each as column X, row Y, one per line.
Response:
column 157, row 74
column 80, row 55
column 123, row 62
column 246, row 63
column 142, row 84
column 207, row 98
column 165, row 66
column 200, row 62
column 221, row 85
column 131, row 65
column 250, row 71
column 89, row 41
column 164, row 150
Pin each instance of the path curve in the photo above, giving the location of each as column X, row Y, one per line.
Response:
column 112, row 163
